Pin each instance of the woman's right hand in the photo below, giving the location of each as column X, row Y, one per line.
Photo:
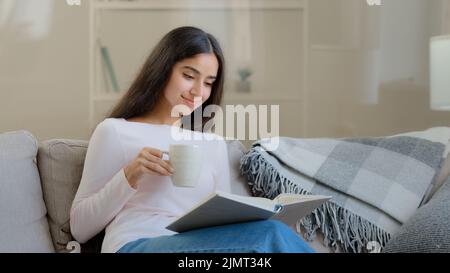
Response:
column 148, row 161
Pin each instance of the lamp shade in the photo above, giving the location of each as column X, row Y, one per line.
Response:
column 440, row 73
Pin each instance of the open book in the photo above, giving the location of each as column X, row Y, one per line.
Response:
column 221, row 208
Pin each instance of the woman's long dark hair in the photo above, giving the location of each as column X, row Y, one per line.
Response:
column 146, row 90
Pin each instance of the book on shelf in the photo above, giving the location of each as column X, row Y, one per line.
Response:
column 221, row 208
column 110, row 69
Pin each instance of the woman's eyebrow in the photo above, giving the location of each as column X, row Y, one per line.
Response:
column 197, row 72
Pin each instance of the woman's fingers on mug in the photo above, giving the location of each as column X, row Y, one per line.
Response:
column 166, row 164
column 154, row 152
column 170, row 165
column 152, row 160
column 163, row 163
column 155, row 168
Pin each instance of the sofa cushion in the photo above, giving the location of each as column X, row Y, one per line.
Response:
column 23, row 221
column 60, row 165
column 427, row 230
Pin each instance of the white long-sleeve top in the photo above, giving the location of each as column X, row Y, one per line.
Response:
column 105, row 198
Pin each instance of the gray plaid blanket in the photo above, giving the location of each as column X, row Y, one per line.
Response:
column 376, row 183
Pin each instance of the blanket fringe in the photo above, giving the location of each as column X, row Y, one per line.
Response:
column 342, row 229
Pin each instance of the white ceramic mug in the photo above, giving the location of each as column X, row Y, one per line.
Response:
column 187, row 162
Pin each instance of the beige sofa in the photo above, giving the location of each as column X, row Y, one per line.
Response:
column 38, row 182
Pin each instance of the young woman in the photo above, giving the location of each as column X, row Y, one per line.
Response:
column 126, row 187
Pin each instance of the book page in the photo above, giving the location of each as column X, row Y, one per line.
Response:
column 293, row 209
column 289, row 198
column 224, row 208
column 261, row 202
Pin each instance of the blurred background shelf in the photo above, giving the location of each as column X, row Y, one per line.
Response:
column 254, row 34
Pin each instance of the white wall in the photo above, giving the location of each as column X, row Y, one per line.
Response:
column 373, row 78
column 405, row 40
column 44, row 68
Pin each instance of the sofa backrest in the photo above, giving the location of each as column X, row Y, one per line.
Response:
column 23, row 222
column 61, row 164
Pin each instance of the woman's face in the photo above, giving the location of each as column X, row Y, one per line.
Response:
column 191, row 81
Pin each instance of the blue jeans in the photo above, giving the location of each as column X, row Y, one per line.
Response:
column 267, row 236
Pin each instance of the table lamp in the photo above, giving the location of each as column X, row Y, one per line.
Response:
column 440, row 73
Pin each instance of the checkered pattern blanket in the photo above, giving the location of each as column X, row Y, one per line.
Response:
column 376, row 183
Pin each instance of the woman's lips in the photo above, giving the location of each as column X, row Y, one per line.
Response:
column 189, row 102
